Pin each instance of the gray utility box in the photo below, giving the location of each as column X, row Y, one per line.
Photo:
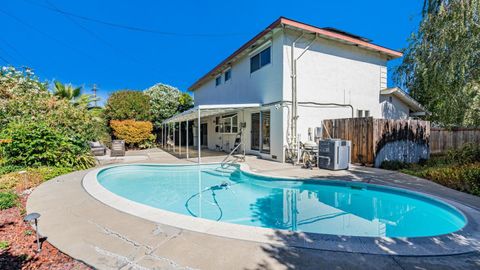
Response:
column 334, row 154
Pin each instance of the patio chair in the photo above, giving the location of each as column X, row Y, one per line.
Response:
column 97, row 148
column 118, row 148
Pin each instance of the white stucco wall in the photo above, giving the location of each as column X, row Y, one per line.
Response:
column 261, row 86
column 329, row 72
column 332, row 72
column 395, row 109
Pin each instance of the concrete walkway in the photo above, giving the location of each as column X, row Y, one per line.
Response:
column 105, row 238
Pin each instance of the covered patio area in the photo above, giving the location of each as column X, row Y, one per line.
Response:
column 187, row 135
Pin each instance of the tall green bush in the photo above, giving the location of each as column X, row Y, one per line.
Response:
column 128, row 104
column 36, row 143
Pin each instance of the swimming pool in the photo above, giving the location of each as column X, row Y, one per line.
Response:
column 327, row 207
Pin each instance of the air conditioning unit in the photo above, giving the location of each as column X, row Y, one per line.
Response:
column 334, row 154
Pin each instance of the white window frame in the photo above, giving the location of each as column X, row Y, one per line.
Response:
column 222, row 121
column 258, row 52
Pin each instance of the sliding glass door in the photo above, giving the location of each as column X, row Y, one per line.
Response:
column 255, row 138
column 260, row 139
column 265, row 116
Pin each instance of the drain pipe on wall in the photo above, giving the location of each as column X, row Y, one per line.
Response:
column 294, row 85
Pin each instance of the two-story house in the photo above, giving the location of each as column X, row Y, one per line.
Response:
column 279, row 86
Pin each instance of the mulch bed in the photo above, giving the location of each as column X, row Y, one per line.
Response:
column 21, row 252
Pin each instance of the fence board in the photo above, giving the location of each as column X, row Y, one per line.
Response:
column 442, row 140
column 369, row 136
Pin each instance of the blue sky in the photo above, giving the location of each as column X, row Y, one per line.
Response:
column 188, row 38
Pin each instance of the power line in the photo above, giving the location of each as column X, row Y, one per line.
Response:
column 44, row 33
column 4, row 60
column 99, row 38
column 135, row 28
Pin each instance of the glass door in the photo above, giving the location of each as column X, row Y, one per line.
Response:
column 265, row 116
column 260, row 140
column 255, row 132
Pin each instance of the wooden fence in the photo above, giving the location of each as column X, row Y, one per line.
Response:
column 442, row 140
column 375, row 140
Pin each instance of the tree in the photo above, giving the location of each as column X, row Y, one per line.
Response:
column 441, row 66
column 128, row 104
column 72, row 94
column 164, row 102
column 15, row 82
column 66, row 91
column 185, row 101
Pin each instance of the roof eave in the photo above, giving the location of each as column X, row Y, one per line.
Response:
column 282, row 21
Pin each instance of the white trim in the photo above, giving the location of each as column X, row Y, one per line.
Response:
column 260, row 48
column 209, row 110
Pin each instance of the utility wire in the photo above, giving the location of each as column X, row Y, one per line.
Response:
column 99, row 38
column 4, row 60
column 44, row 33
column 14, row 49
column 135, row 28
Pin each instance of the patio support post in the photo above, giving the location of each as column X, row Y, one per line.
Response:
column 174, row 136
column 180, row 138
column 198, row 136
column 187, row 139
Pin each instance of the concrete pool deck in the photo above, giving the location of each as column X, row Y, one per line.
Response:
column 106, row 238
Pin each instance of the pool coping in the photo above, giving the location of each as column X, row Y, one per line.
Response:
column 465, row 240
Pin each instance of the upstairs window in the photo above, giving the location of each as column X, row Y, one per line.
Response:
column 260, row 60
column 367, row 113
column 218, row 80
column 228, row 74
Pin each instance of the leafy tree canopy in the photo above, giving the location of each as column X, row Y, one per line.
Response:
column 166, row 101
column 441, row 66
column 15, row 82
column 128, row 104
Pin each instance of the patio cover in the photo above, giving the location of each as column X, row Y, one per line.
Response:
column 208, row 110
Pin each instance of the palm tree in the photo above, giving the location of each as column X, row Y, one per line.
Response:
column 72, row 94
column 66, row 91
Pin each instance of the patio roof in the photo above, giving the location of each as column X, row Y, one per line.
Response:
column 209, row 110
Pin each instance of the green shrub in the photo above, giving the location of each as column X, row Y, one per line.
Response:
column 468, row 153
column 133, row 132
column 35, row 143
column 7, row 200
column 15, row 181
column 4, row 245
column 128, row 104
column 464, row 178
column 394, row 165
column 48, row 173
column 4, row 169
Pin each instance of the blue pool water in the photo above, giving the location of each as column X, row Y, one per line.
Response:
column 329, row 207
